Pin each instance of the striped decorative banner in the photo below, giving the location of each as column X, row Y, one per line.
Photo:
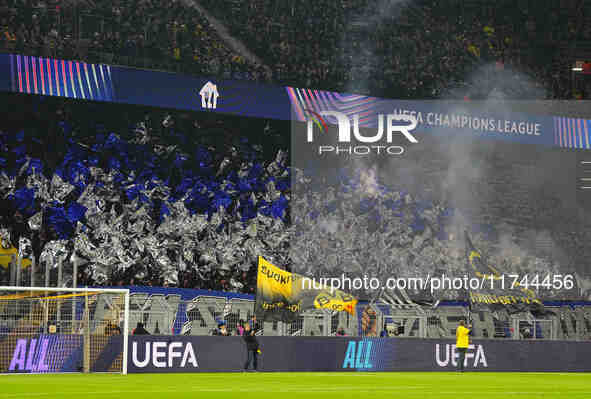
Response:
column 319, row 100
column 572, row 132
column 51, row 77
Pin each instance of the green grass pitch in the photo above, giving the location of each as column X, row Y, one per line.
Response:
column 299, row 385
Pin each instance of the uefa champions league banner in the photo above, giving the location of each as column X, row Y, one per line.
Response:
column 443, row 118
column 153, row 354
column 477, row 119
column 99, row 82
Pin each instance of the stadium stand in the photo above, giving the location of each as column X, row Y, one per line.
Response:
column 108, row 187
column 147, row 34
column 423, row 49
column 78, row 180
column 114, row 189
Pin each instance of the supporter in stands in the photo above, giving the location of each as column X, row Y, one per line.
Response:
column 112, row 329
column 119, row 34
column 369, row 322
column 384, row 332
column 254, row 324
column 418, row 49
column 240, row 327
column 436, row 45
column 140, row 330
column 221, row 329
column 526, row 333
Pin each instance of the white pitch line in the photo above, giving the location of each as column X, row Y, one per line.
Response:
column 229, row 390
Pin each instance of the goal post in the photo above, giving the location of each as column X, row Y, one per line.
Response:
column 53, row 330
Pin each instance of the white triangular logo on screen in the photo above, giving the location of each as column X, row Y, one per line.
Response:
column 209, row 95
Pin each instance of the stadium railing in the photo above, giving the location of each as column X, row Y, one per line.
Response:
column 406, row 326
column 203, row 315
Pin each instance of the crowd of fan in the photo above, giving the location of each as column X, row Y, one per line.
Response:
column 402, row 49
column 135, row 196
column 111, row 193
column 360, row 227
column 412, row 49
column 146, row 33
column 141, row 197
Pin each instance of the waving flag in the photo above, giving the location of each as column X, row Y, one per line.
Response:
column 481, row 269
column 282, row 295
column 498, row 288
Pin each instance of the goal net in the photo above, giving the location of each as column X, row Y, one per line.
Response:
column 56, row 330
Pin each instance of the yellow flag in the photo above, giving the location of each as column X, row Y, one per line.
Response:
column 6, row 258
column 282, row 294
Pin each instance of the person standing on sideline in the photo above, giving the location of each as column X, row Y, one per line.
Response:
column 462, row 342
column 252, row 347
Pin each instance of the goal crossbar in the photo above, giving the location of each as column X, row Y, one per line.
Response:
column 57, row 289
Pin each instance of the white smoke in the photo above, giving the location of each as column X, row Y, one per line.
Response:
column 357, row 39
column 369, row 181
column 488, row 83
column 329, row 225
